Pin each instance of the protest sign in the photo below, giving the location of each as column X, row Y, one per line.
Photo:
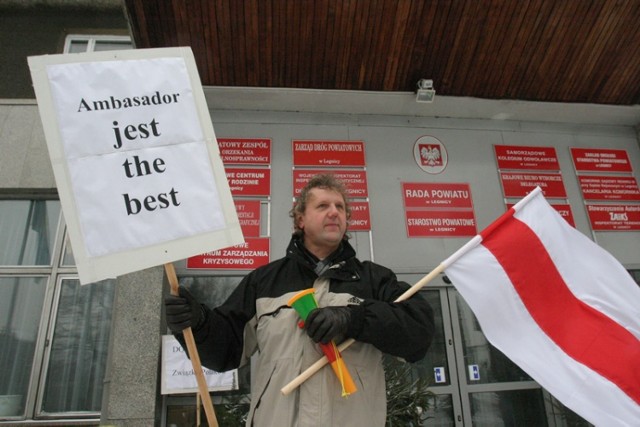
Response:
column 135, row 158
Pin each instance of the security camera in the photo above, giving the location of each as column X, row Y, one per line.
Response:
column 425, row 84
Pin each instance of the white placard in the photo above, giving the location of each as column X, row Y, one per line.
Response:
column 178, row 376
column 135, row 158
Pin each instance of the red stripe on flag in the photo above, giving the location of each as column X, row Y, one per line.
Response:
column 497, row 223
column 585, row 334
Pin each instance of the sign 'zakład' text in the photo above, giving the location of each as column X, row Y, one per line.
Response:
column 600, row 160
column 328, row 153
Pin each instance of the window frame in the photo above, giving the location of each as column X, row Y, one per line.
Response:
column 92, row 39
column 49, row 271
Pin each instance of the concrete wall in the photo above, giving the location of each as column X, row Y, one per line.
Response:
column 131, row 395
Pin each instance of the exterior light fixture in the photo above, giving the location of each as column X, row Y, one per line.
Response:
column 425, row 91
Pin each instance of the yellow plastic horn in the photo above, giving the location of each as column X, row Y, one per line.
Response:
column 303, row 303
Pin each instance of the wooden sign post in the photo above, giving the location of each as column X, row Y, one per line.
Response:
column 203, row 391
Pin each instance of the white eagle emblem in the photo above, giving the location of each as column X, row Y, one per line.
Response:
column 430, row 155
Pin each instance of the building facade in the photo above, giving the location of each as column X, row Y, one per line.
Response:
column 90, row 355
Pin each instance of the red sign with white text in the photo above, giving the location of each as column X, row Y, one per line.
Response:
column 355, row 180
column 253, row 253
column 614, row 217
column 247, row 151
column 328, row 153
column 598, row 187
column 360, row 218
column 249, row 216
column 436, row 195
column 600, row 160
column 531, row 158
column 438, row 223
column 520, row 184
column 249, row 181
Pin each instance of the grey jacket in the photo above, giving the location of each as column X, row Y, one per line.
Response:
column 256, row 320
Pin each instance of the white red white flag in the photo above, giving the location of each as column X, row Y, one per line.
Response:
column 559, row 306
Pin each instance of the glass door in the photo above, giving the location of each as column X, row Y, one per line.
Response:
column 439, row 366
column 472, row 383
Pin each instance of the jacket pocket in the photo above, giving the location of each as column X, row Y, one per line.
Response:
column 367, row 407
column 269, row 408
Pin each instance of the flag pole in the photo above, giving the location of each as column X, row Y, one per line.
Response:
column 476, row 240
column 193, row 354
column 308, row 373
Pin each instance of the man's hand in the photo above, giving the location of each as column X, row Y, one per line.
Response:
column 325, row 324
column 183, row 311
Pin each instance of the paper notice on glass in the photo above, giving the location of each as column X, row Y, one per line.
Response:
column 178, row 376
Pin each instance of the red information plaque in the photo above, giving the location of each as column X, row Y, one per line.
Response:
column 520, row 184
column 249, row 216
column 598, row 187
column 355, row 180
column 438, row 209
column 249, row 181
column 247, row 151
column 436, row 195
column 360, row 218
column 614, row 217
column 529, row 158
column 328, row 153
column 253, row 253
column 600, row 160
column 439, row 223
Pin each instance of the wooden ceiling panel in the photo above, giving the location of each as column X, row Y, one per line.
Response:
column 540, row 50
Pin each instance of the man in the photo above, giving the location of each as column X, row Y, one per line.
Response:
column 355, row 300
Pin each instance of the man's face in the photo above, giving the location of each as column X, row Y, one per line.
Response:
column 323, row 222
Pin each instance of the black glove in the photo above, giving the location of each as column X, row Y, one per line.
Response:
column 183, row 311
column 325, row 324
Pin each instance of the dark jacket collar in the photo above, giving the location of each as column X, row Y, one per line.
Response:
column 297, row 251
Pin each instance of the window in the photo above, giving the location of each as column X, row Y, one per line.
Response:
column 78, row 349
column 21, row 302
column 96, row 43
column 54, row 333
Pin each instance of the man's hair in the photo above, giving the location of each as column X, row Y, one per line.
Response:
column 326, row 182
